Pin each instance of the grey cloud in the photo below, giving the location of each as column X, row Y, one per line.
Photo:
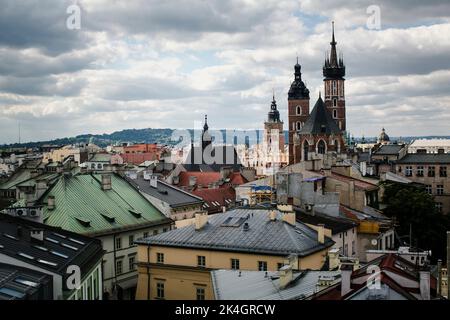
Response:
column 40, row 24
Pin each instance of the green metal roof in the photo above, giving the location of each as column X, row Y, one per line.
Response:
column 101, row 157
column 83, row 207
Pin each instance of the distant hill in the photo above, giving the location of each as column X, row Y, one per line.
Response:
column 149, row 135
column 160, row 136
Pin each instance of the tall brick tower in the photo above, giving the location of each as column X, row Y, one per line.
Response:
column 298, row 108
column 334, row 72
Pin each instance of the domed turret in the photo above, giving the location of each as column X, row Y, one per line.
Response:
column 274, row 114
column 383, row 137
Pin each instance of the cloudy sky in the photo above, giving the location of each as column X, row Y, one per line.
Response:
column 159, row 64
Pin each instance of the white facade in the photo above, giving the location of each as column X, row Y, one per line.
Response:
column 430, row 146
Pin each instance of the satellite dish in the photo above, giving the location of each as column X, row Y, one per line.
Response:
column 374, row 242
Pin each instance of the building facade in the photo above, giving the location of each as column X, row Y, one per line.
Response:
column 170, row 267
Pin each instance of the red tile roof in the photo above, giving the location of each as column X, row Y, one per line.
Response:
column 222, row 196
column 203, row 178
column 206, row 178
column 138, row 158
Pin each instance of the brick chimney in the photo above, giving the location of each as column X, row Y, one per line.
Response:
column 200, row 220
column 321, row 233
column 106, row 182
column 286, row 276
column 289, row 217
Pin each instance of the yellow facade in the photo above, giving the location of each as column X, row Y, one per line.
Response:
column 181, row 278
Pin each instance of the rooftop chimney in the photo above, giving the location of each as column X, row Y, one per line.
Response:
column 346, row 277
column 273, row 215
column 321, row 233
column 289, row 217
column 106, row 182
column 425, row 285
column 51, row 203
column 192, row 181
column 200, row 220
column 285, row 276
column 154, row 181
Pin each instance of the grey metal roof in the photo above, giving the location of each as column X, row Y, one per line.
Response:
column 426, row 158
column 320, row 121
column 165, row 192
column 17, row 283
column 264, row 236
column 259, row 285
column 55, row 253
column 389, row 149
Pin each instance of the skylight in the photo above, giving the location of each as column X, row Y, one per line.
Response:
column 52, row 264
column 65, row 245
column 77, row 241
column 41, row 248
column 27, row 283
column 59, row 254
column 12, row 293
column 10, row 236
column 25, row 255
column 51, row 240
column 59, row 235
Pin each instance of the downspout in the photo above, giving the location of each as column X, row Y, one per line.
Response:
column 148, row 272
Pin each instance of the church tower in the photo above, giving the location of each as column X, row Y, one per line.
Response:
column 273, row 129
column 298, row 108
column 206, row 137
column 334, row 72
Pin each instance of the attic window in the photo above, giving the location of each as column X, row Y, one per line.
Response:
column 83, row 221
column 109, row 217
column 135, row 213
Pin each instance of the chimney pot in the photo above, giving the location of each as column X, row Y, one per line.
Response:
column 346, row 276
column 200, row 220
column 321, row 233
column 51, row 202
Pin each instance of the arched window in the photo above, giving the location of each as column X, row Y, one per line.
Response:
column 334, row 113
column 299, row 110
column 321, row 147
column 305, row 150
column 334, row 88
column 299, row 125
column 335, row 102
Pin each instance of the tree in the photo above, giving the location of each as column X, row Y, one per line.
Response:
column 411, row 206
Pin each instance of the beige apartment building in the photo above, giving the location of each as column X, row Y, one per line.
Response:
column 432, row 170
column 176, row 265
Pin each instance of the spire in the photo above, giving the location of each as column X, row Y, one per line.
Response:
column 274, row 114
column 334, row 67
column 205, row 126
column 333, row 55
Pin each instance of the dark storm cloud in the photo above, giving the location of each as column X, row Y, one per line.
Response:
column 39, row 24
